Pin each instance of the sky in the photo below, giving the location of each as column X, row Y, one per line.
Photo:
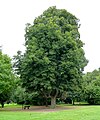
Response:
column 14, row 14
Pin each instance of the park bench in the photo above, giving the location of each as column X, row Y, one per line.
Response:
column 26, row 107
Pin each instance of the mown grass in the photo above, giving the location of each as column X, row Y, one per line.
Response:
column 79, row 113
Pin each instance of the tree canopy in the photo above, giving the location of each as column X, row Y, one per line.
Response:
column 6, row 78
column 54, row 57
column 91, row 87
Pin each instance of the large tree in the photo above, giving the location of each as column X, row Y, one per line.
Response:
column 54, row 57
column 6, row 78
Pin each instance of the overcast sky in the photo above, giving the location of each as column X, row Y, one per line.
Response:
column 14, row 14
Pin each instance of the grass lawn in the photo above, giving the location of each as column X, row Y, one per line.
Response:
column 78, row 113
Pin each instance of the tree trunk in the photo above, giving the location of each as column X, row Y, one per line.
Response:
column 2, row 104
column 46, row 102
column 53, row 102
column 73, row 102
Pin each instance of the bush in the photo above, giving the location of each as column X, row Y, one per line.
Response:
column 94, row 101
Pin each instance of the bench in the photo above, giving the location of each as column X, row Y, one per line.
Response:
column 26, row 107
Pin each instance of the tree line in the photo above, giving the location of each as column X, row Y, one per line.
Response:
column 51, row 69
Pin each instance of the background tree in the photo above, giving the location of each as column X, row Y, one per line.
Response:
column 6, row 78
column 17, row 61
column 91, row 87
column 19, row 94
column 54, row 57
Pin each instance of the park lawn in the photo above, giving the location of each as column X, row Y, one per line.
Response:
column 80, row 113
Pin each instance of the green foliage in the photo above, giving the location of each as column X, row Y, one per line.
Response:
column 54, row 57
column 19, row 95
column 6, row 78
column 17, row 61
column 91, row 86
